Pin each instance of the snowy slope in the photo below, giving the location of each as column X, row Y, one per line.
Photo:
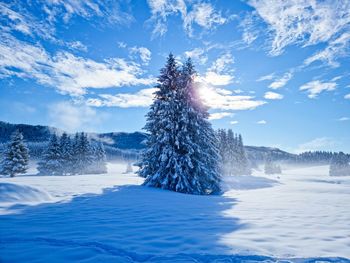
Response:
column 110, row 218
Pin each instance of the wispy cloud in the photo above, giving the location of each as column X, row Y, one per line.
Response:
column 261, row 122
column 347, row 96
column 315, row 87
column 202, row 14
column 110, row 11
column 302, row 22
column 281, row 82
column 233, row 122
column 266, row 77
column 338, row 47
column 143, row 52
column 273, row 96
column 344, row 119
column 198, row 55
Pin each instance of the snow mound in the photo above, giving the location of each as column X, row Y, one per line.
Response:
column 14, row 193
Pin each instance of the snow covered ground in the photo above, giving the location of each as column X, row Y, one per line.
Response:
column 300, row 214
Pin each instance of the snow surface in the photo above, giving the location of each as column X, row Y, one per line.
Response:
column 303, row 213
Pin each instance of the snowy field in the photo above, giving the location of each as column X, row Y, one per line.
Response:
column 302, row 215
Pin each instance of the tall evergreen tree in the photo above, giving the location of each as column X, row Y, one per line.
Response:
column 181, row 154
column 16, row 156
column 51, row 164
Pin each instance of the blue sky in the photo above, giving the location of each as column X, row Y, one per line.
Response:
column 275, row 71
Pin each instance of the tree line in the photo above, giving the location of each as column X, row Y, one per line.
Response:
column 234, row 159
column 63, row 156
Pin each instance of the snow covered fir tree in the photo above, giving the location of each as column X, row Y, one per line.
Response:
column 16, row 156
column 340, row 165
column 52, row 160
column 270, row 167
column 66, row 156
column 234, row 159
column 182, row 153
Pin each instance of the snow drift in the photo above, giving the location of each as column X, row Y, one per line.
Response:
column 21, row 194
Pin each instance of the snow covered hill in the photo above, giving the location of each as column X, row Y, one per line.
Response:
column 300, row 216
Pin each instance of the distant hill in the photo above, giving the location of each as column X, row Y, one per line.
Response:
column 39, row 133
column 116, row 143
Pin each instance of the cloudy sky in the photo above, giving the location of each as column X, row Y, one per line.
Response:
column 275, row 71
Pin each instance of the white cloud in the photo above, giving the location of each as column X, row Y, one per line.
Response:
column 281, row 82
column 250, row 33
column 142, row 98
column 222, row 63
column 77, row 45
column 338, row 47
column 266, row 77
column 343, row 119
column 202, row 14
column 66, row 72
column 66, row 9
column 347, row 96
column 143, row 52
column 261, row 122
column 216, row 79
column 220, row 115
column 273, row 96
column 198, row 55
column 317, row 144
column 315, row 87
column 219, row 73
column 222, row 99
column 233, row 122
column 302, row 22
column 72, row 118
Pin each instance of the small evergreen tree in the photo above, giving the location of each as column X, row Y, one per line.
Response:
column 270, row 167
column 339, row 165
column 51, row 164
column 16, row 156
column 84, row 154
column 66, row 152
column 243, row 163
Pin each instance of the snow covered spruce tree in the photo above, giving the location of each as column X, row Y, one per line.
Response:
column 66, row 154
column 182, row 152
column 243, row 163
column 16, row 156
column 51, row 164
column 339, row 165
column 83, row 153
